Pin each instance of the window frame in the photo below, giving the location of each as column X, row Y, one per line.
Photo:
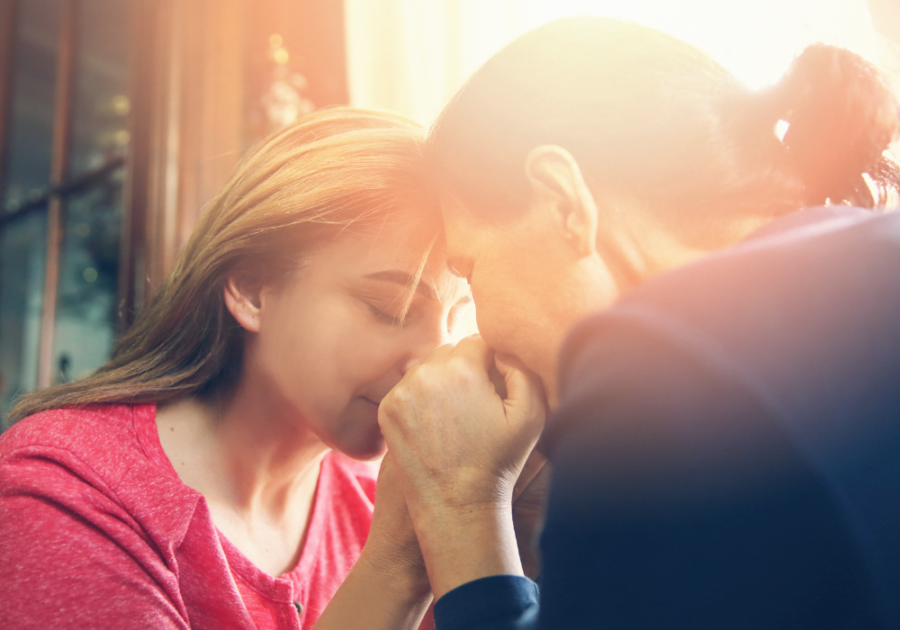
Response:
column 60, row 186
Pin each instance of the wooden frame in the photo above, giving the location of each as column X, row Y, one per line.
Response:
column 197, row 72
column 186, row 129
column 59, row 168
column 8, row 14
column 194, row 79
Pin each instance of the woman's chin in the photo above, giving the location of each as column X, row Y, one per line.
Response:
column 360, row 436
column 365, row 450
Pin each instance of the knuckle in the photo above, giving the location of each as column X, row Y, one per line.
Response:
column 399, row 398
column 460, row 365
column 474, row 340
column 428, row 377
column 468, row 375
column 387, row 416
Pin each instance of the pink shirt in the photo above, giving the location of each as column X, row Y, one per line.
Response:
column 98, row 531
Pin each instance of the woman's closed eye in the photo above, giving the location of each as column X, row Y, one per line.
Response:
column 387, row 306
column 385, row 317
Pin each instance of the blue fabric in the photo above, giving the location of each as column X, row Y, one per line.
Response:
column 496, row 602
column 726, row 453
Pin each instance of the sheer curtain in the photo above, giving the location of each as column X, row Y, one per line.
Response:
column 411, row 55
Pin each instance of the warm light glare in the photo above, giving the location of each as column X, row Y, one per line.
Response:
column 276, row 40
column 121, row 105
column 281, row 56
column 781, row 128
column 411, row 55
column 755, row 40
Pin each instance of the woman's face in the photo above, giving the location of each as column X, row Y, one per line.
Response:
column 331, row 343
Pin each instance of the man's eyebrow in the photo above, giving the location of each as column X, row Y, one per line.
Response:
column 404, row 279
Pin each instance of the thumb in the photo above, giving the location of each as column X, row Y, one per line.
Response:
column 524, row 391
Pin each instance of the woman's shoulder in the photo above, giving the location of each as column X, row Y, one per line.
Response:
column 94, row 459
column 90, row 430
column 100, row 444
column 79, row 491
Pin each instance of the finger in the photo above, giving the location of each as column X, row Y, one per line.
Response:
column 476, row 351
column 437, row 355
column 387, row 475
column 523, row 388
column 532, row 468
column 497, row 381
column 441, row 352
column 387, row 465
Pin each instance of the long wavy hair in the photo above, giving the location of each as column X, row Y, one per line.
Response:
column 334, row 169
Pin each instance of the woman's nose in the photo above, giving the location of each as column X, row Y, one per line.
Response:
column 424, row 346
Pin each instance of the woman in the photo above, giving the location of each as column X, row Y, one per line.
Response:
column 205, row 477
column 724, row 440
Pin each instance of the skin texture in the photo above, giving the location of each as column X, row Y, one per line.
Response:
column 322, row 349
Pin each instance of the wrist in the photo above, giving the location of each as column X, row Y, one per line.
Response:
column 462, row 493
column 406, row 577
column 465, row 543
column 376, row 595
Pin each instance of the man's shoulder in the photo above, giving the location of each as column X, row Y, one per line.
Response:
column 798, row 330
column 760, row 377
column 849, row 256
column 802, row 289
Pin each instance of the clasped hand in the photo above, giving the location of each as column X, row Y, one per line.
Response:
column 460, row 448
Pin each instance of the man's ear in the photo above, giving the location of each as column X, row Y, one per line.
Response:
column 243, row 298
column 556, row 181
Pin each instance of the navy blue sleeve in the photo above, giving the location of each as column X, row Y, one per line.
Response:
column 499, row 602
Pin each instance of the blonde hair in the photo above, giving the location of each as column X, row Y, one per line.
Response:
column 334, row 169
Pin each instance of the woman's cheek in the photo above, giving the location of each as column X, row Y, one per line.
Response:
column 371, row 358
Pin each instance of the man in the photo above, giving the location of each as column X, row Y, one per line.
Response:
column 725, row 440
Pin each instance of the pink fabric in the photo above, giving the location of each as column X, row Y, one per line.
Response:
column 97, row 531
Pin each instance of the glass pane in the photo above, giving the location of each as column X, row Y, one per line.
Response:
column 99, row 130
column 23, row 244
column 34, row 89
column 88, row 281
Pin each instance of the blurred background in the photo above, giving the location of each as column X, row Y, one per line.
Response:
column 120, row 119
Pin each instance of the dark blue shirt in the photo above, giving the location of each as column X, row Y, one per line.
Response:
column 726, row 453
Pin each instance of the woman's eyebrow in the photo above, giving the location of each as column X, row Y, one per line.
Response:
column 404, row 279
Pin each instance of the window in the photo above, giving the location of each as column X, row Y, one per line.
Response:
column 119, row 121
column 64, row 66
